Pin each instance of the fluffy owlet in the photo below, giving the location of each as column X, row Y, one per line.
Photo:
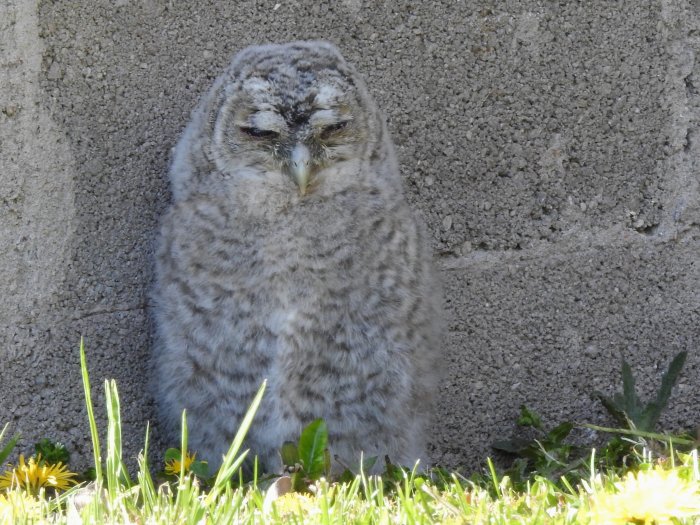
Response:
column 289, row 254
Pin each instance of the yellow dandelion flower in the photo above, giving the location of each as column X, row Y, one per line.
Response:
column 294, row 503
column 172, row 466
column 32, row 476
column 652, row 497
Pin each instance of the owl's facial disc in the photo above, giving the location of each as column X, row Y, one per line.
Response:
column 299, row 124
column 300, row 143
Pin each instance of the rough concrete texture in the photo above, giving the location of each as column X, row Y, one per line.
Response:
column 551, row 147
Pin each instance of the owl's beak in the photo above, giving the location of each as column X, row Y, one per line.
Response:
column 300, row 166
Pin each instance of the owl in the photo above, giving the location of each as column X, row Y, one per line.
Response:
column 289, row 255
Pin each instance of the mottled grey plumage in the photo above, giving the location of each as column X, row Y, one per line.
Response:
column 290, row 254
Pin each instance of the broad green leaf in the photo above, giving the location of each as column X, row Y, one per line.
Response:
column 512, row 446
column 653, row 410
column 558, row 433
column 172, row 454
column 613, row 408
column 631, row 402
column 312, row 446
column 290, row 454
column 669, row 379
column 200, row 469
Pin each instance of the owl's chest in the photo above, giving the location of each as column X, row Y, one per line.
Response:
column 304, row 272
column 301, row 275
column 307, row 249
column 312, row 267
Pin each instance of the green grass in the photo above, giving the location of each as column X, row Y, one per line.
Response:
column 364, row 500
column 661, row 493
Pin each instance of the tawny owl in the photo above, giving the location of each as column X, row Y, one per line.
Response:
column 289, row 253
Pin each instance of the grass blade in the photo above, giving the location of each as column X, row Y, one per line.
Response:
column 183, row 457
column 146, row 485
column 117, row 474
column 97, row 454
column 183, row 445
column 231, row 463
column 642, row 433
column 7, row 449
column 494, row 477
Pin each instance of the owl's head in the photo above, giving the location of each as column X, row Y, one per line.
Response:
column 289, row 119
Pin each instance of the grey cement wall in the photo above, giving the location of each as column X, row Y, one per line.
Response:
column 551, row 147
